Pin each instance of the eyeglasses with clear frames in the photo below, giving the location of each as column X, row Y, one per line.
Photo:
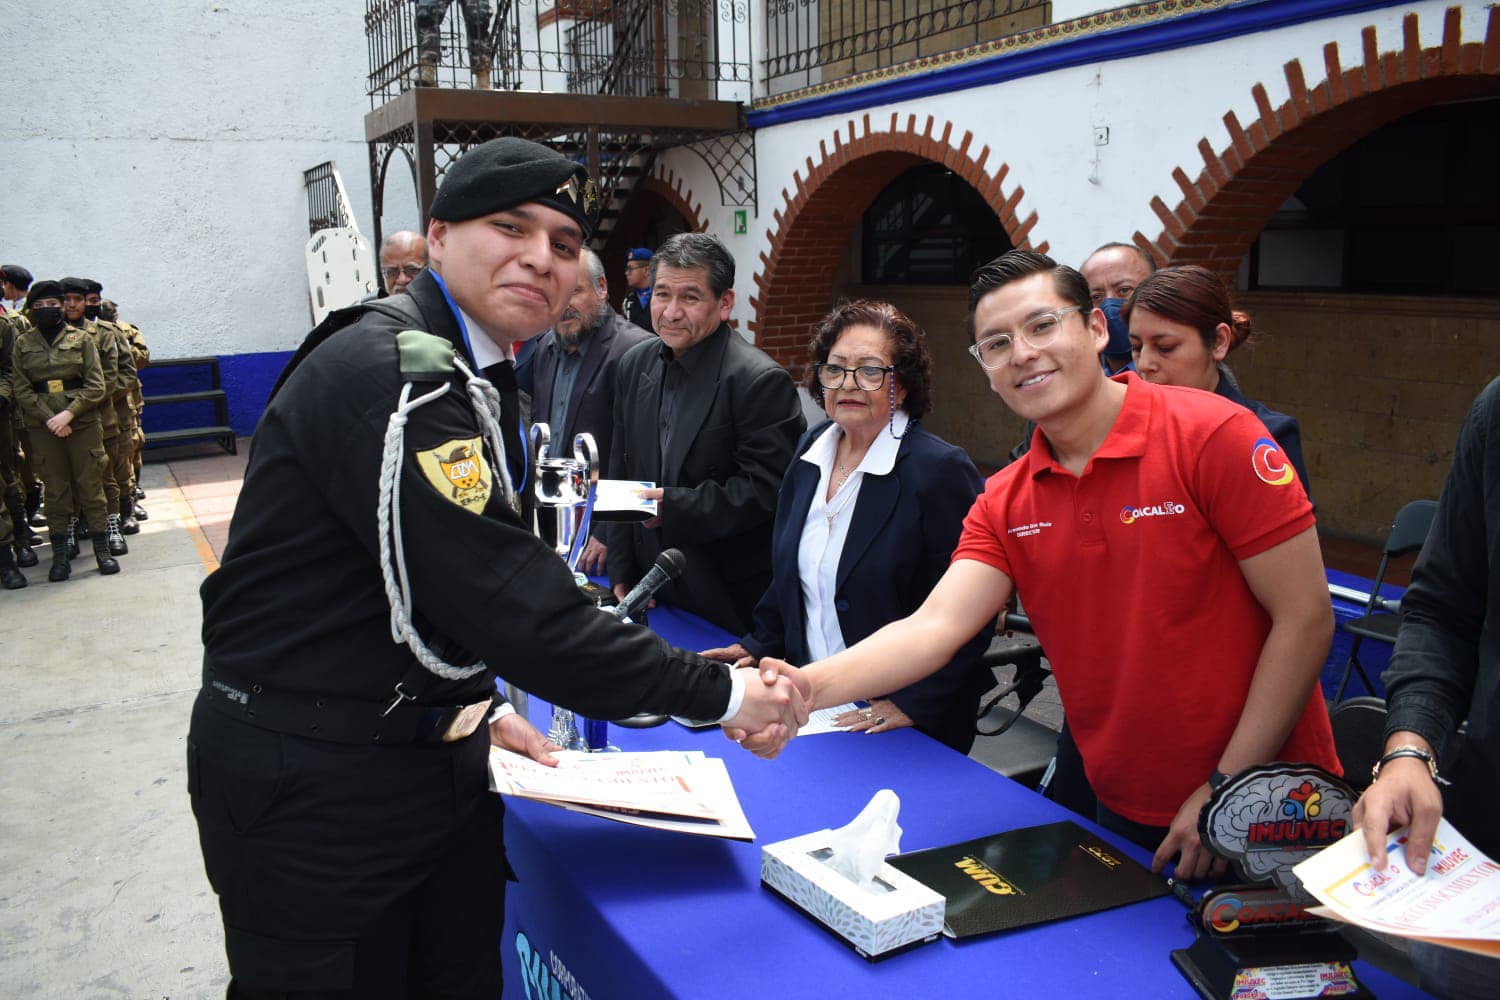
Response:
column 994, row 351
column 410, row 270
column 866, row 377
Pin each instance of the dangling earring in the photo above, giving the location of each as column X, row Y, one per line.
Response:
column 898, row 437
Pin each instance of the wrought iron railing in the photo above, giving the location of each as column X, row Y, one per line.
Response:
column 817, row 41
column 667, row 48
column 328, row 204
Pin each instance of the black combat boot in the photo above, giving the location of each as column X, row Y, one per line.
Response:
column 24, row 537
column 60, row 570
column 115, row 541
column 72, row 537
column 137, row 493
column 127, row 517
column 140, row 512
column 80, row 527
column 34, row 505
column 10, row 577
column 107, row 564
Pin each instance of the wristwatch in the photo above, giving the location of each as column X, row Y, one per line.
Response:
column 1217, row 779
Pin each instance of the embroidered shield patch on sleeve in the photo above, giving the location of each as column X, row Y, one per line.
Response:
column 458, row 471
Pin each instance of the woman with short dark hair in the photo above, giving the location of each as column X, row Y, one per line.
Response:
column 1183, row 325
column 867, row 518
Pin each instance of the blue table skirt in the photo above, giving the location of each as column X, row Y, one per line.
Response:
column 606, row 910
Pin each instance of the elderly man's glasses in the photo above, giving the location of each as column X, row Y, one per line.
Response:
column 867, row 377
column 410, row 270
column 994, row 351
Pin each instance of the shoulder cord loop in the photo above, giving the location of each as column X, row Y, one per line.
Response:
column 486, row 403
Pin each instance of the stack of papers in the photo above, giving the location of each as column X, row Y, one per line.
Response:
column 1457, row 903
column 682, row 791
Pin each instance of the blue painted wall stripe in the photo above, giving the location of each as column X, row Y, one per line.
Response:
column 1105, row 46
column 247, row 380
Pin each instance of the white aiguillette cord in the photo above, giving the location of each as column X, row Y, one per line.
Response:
column 486, row 403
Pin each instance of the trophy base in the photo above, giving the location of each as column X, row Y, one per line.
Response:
column 642, row 720
column 1285, row 966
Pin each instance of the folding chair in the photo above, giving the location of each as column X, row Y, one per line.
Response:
column 1358, row 737
column 1382, row 618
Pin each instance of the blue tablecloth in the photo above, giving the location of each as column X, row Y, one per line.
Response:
column 606, row 910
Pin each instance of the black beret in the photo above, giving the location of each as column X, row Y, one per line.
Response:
column 74, row 286
column 506, row 172
column 43, row 290
column 16, row 275
column 91, row 287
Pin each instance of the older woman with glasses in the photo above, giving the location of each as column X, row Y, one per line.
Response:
column 867, row 517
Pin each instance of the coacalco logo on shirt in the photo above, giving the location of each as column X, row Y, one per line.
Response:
column 1270, row 464
column 1130, row 513
column 458, row 471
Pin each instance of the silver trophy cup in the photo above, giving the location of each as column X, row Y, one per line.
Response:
column 565, row 489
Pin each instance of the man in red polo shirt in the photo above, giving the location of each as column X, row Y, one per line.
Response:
column 1170, row 569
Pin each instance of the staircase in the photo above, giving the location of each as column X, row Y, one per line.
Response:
column 194, row 369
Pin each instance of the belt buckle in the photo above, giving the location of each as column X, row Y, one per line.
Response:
column 466, row 721
column 54, row 385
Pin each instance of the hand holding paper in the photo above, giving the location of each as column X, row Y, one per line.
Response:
column 1403, row 795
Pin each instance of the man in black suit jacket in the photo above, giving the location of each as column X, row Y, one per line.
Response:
column 573, row 375
column 713, row 421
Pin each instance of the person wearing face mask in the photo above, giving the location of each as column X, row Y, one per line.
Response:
column 15, row 535
column 14, row 281
column 15, row 471
column 1183, row 325
column 141, row 356
column 122, row 447
column 59, row 387
column 75, row 311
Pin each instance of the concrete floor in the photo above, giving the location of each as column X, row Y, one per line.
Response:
column 103, row 893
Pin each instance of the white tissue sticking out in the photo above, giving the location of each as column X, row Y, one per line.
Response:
column 861, row 847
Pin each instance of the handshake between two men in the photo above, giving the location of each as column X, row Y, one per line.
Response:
column 773, row 709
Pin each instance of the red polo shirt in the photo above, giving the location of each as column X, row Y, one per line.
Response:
column 1130, row 576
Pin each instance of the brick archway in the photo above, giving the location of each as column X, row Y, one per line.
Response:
column 1235, row 193
column 667, row 186
column 831, row 193
column 660, row 188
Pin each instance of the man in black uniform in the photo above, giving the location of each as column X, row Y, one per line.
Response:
column 339, row 777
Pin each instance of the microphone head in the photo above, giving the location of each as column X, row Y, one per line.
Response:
column 672, row 562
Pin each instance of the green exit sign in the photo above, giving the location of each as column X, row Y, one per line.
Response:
column 741, row 226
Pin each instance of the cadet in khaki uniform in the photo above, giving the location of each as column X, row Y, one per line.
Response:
column 122, row 455
column 58, row 385
column 20, row 537
column 141, row 354
column 14, row 281
column 12, row 535
column 75, row 306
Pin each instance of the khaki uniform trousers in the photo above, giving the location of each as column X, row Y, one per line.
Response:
column 72, row 471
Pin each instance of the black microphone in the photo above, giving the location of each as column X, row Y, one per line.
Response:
column 669, row 566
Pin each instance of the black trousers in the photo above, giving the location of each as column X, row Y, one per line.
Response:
column 350, row 871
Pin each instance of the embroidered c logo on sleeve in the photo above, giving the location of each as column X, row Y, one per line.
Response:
column 457, row 470
column 1270, row 463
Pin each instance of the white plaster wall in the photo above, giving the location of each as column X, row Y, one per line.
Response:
column 1157, row 108
column 159, row 147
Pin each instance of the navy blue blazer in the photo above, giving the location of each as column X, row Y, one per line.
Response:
column 904, row 530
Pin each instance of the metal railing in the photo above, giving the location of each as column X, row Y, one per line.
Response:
column 818, row 41
column 328, row 204
column 667, row 48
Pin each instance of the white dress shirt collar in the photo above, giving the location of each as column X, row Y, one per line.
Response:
column 486, row 351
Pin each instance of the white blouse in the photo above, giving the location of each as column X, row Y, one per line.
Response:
column 827, row 527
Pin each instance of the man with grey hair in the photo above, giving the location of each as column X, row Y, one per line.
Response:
column 573, row 378
column 714, row 423
column 403, row 255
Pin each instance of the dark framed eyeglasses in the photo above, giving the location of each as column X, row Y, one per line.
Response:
column 410, row 270
column 866, row 377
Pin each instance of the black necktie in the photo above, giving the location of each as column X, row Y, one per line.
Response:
column 503, row 377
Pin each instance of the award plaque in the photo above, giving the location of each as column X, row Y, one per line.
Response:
column 1257, row 940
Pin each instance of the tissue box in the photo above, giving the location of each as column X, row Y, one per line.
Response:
column 900, row 913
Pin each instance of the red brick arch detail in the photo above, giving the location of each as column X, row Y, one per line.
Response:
column 831, row 192
column 1237, row 190
column 667, row 186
